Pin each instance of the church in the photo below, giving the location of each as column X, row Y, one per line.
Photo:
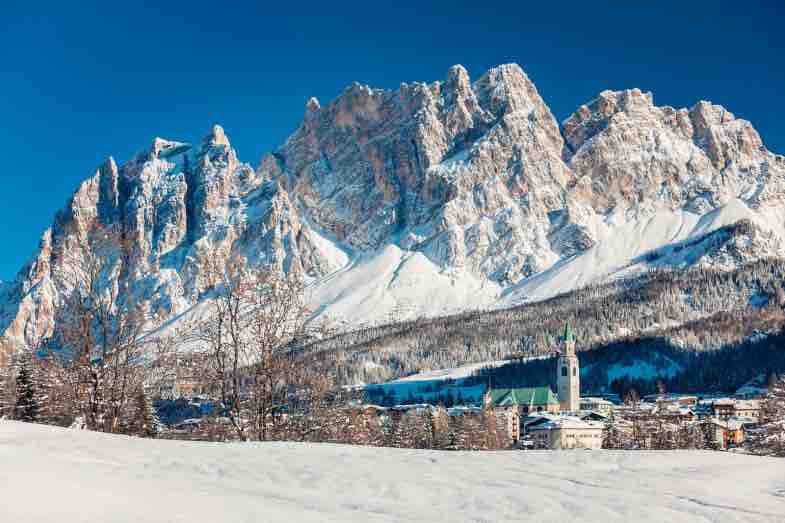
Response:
column 530, row 400
column 512, row 405
column 553, row 419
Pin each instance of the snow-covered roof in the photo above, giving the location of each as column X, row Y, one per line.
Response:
column 566, row 422
column 530, row 396
column 737, row 403
column 599, row 401
column 585, row 414
column 734, row 423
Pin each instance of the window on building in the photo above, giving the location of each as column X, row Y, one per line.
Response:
column 574, row 371
column 564, row 371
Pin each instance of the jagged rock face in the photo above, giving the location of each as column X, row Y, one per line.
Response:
column 452, row 168
column 476, row 178
column 627, row 151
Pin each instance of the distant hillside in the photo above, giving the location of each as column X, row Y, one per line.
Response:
column 674, row 313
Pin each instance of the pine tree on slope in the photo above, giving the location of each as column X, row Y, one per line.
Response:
column 7, row 392
column 26, row 408
column 145, row 421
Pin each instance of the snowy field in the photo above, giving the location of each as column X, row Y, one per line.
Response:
column 57, row 475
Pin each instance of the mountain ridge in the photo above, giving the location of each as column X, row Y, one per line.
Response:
column 429, row 199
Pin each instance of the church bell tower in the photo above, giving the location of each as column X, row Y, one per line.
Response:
column 569, row 374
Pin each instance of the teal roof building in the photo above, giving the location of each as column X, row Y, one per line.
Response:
column 529, row 399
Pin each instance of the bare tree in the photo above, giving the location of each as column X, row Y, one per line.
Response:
column 99, row 339
column 250, row 340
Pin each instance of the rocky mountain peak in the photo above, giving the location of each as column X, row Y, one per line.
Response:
column 109, row 189
column 724, row 138
column 595, row 116
column 458, row 80
column 312, row 106
column 162, row 148
column 506, row 89
column 216, row 137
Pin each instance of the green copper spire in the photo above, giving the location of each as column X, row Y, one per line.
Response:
column 568, row 332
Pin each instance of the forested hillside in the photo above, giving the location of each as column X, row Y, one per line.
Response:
column 677, row 314
column 652, row 364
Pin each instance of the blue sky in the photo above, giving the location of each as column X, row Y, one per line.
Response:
column 80, row 83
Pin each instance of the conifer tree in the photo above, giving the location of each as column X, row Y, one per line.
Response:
column 494, row 436
column 147, row 422
column 26, row 408
column 7, row 392
column 611, row 438
column 440, row 428
column 406, row 431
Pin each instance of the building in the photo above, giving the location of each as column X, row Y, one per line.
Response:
column 732, row 431
column 686, row 400
column 569, row 375
column 511, row 405
column 600, row 405
column 565, row 432
column 726, row 408
column 523, row 400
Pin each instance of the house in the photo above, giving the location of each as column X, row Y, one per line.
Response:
column 731, row 431
column 675, row 411
column 726, row 408
column 565, row 432
column 747, row 408
column 533, row 420
column 600, row 405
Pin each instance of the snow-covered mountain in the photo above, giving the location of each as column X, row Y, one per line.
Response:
column 429, row 199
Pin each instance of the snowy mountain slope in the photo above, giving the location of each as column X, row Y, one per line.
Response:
column 200, row 482
column 675, row 239
column 429, row 199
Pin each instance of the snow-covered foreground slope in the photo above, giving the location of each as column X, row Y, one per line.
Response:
column 49, row 474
